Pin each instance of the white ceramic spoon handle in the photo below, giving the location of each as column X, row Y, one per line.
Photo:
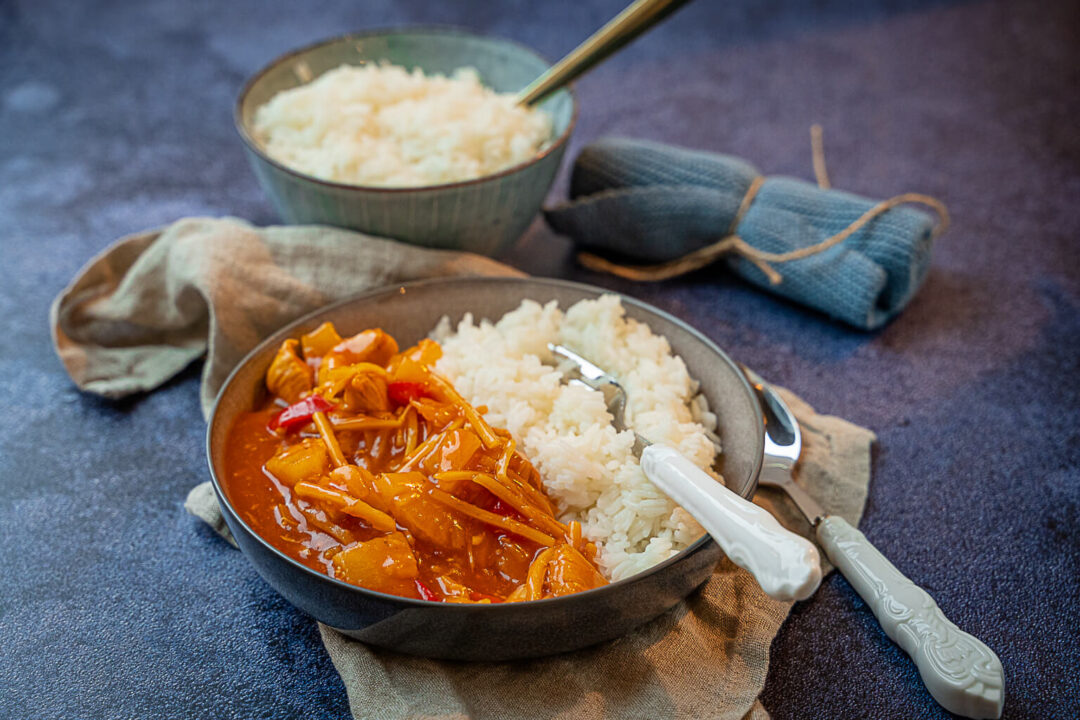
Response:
column 785, row 565
column 962, row 673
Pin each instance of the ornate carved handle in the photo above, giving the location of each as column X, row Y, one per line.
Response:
column 962, row 673
column 786, row 565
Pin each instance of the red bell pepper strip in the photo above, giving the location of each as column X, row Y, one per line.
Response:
column 299, row 413
column 426, row 592
column 402, row 392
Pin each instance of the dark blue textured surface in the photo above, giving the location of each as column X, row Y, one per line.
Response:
column 114, row 603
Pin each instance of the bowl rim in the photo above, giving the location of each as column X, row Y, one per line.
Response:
column 401, row 288
column 451, row 30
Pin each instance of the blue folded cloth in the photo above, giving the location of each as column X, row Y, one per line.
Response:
column 645, row 202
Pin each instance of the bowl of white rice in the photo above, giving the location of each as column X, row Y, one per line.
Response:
column 682, row 390
column 408, row 134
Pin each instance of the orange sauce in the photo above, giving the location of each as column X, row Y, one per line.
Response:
column 500, row 560
column 378, row 473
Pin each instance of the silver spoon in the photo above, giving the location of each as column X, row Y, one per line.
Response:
column 962, row 673
column 638, row 17
column 785, row 565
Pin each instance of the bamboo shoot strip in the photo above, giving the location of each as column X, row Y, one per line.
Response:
column 366, row 423
column 574, row 535
column 310, row 491
column 491, row 518
column 508, row 452
column 543, row 521
column 427, row 446
column 452, row 475
column 487, row 435
column 382, row 445
column 347, row 504
column 377, row 519
column 326, row 431
column 343, row 536
column 534, row 582
column 533, row 495
column 578, row 553
column 412, row 430
column 514, row 483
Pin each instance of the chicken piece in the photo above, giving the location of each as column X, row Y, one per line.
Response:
column 357, row 481
column 362, row 485
column 406, row 370
column 391, row 485
column 414, row 509
column 458, row 450
column 289, row 377
column 452, row 590
column 569, row 572
column 307, row 459
column 319, row 341
column 510, row 558
column 332, row 382
column 384, row 564
column 437, row 413
column 556, row 571
column 453, row 452
column 366, row 393
column 426, row 352
column 371, row 346
column 520, row 594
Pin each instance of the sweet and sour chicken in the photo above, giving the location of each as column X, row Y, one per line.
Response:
column 367, row 465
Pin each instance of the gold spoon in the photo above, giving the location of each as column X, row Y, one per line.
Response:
column 638, row 17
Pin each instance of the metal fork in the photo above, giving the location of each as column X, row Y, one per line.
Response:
column 785, row 565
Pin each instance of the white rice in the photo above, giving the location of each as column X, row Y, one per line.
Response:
column 381, row 125
column 588, row 468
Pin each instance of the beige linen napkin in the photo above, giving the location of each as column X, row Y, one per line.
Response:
column 153, row 302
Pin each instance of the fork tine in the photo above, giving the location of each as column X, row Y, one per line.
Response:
column 595, row 378
column 586, row 368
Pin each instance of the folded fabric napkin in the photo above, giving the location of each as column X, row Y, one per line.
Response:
column 645, row 202
column 153, row 302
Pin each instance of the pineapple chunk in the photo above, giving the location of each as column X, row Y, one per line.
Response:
column 319, row 341
column 308, row 459
column 384, row 564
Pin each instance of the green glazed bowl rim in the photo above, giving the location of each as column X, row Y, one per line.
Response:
column 253, row 146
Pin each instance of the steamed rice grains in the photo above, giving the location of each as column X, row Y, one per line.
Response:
column 381, row 125
column 566, row 431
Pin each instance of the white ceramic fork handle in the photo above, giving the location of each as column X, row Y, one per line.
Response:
column 785, row 565
column 960, row 672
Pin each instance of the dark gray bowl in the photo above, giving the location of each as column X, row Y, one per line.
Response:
column 483, row 215
column 511, row 630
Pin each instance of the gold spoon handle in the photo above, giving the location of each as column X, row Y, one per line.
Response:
column 638, row 17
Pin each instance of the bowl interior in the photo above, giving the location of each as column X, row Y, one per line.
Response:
column 503, row 66
column 409, row 312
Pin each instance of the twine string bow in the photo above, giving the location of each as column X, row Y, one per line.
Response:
column 731, row 243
